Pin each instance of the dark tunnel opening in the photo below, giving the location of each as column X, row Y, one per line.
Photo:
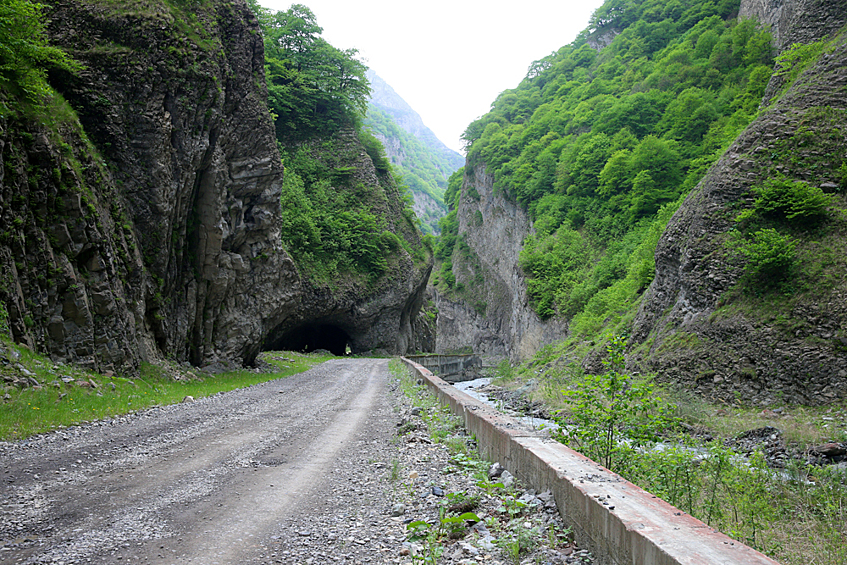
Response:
column 311, row 338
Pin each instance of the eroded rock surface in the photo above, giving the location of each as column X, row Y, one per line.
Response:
column 494, row 316
column 150, row 227
column 794, row 349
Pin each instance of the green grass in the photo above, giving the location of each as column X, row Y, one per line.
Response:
column 55, row 404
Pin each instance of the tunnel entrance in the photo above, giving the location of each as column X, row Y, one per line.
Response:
column 310, row 338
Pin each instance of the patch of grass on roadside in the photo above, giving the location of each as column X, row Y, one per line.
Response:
column 92, row 396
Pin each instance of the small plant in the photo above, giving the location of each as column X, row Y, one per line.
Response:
column 394, row 473
column 790, row 202
column 614, row 414
column 771, row 257
column 489, row 487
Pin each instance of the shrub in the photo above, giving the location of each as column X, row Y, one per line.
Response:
column 770, row 255
column 614, row 414
column 792, row 202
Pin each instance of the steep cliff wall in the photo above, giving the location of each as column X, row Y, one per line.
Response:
column 175, row 101
column 696, row 326
column 141, row 213
column 148, row 227
column 796, row 21
column 490, row 313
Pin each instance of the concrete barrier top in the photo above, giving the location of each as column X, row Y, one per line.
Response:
column 618, row 521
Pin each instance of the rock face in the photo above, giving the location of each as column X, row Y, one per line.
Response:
column 691, row 328
column 796, row 21
column 150, row 226
column 493, row 316
column 385, row 98
column 373, row 315
column 182, row 122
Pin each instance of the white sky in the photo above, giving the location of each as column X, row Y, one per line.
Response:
column 449, row 59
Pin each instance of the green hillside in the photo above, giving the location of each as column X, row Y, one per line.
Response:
column 599, row 144
column 418, row 167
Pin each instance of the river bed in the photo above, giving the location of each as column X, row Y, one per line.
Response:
column 476, row 389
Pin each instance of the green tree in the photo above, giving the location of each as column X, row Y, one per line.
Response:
column 25, row 54
column 313, row 87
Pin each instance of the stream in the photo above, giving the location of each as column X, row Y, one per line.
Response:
column 474, row 388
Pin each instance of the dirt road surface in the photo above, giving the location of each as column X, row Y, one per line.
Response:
column 234, row 478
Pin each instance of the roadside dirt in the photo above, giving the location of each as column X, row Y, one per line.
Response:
column 224, row 479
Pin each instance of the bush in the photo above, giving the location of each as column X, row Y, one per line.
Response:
column 791, row 202
column 614, row 414
column 770, row 256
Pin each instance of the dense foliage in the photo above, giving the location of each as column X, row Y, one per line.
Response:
column 594, row 142
column 313, row 87
column 25, row 54
column 333, row 224
column 420, row 168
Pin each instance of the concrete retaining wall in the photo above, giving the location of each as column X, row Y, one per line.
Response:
column 618, row 521
column 451, row 368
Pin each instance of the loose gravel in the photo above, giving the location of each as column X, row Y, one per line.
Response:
column 307, row 469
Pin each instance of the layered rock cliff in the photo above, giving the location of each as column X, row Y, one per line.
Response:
column 490, row 313
column 696, row 325
column 141, row 217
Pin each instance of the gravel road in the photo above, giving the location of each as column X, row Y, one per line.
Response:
column 242, row 477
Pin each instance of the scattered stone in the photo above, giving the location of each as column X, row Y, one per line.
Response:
column 398, row 510
column 495, row 470
column 507, row 479
column 830, row 450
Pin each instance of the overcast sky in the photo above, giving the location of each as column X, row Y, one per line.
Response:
column 449, row 59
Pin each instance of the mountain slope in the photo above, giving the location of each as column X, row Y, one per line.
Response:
column 424, row 163
column 593, row 153
column 386, row 99
column 767, row 323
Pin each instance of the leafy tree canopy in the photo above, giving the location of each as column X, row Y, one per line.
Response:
column 314, row 89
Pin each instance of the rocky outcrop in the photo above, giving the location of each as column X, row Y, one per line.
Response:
column 142, row 216
column 424, row 325
column 72, row 281
column 796, row 21
column 491, row 315
column 176, row 103
column 695, row 326
column 363, row 313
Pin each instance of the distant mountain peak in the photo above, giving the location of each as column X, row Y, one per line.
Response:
column 386, row 99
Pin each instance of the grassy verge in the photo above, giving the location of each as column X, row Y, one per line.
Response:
column 69, row 395
column 798, row 514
